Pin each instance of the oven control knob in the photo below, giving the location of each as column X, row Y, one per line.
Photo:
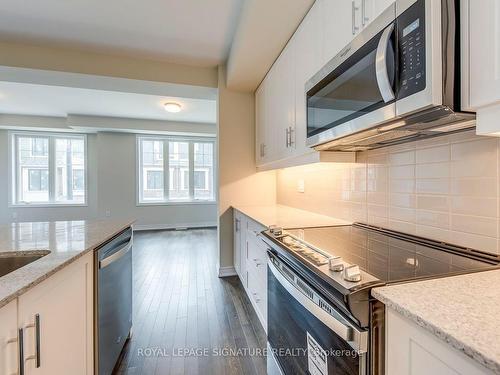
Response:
column 276, row 231
column 336, row 264
column 352, row 273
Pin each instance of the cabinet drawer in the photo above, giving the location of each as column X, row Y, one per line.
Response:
column 257, row 259
column 257, row 292
column 254, row 228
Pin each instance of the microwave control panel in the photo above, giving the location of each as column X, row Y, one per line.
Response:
column 411, row 46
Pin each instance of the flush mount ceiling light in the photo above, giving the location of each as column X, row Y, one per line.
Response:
column 172, row 107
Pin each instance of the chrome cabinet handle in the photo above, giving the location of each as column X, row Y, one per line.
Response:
column 353, row 10
column 36, row 356
column 258, row 262
column 115, row 256
column 257, row 299
column 364, row 19
column 384, row 84
column 290, row 132
column 237, row 225
column 20, row 336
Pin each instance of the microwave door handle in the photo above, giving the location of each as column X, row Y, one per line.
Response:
column 384, row 84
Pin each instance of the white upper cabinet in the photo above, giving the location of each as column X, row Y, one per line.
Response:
column 280, row 100
column 308, row 60
column 279, row 106
column 284, row 109
column 339, row 24
column 260, row 124
column 371, row 9
column 484, row 53
column 481, row 63
column 481, row 59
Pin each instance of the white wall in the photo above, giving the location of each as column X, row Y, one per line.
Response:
column 112, row 187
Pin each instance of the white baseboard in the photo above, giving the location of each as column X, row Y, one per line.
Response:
column 139, row 227
column 226, row 271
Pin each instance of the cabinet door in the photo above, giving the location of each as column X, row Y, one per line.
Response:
column 308, row 61
column 237, row 242
column 280, row 103
column 9, row 339
column 410, row 349
column 484, row 52
column 64, row 304
column 338, row 24
column 371, row 9
column 261, row 125
column 243, row 250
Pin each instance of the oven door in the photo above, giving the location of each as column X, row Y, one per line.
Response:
column 306, row 335
column 355, row 91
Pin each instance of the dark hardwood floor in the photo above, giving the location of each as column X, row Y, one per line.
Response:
column 187, row 320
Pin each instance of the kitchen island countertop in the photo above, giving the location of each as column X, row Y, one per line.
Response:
column 65, row 241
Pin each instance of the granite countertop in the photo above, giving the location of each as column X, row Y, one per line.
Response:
column 288, row 217
column 65, row 241
column 462, row 310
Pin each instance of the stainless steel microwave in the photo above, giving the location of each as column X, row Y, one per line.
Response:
column 399, row 80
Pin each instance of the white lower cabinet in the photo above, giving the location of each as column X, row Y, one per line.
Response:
column 56, row 318
column 411, row 350
column 240, row 246
column 9, row 358
column 253, row 269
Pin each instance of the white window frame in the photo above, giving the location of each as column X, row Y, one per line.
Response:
column 166, row 170
column 14, row 183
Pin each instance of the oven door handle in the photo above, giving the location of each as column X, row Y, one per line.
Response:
column 384, row 84
column 355, row 338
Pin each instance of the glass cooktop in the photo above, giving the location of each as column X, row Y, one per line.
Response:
column 390, row 258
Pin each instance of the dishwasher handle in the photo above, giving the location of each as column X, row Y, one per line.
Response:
column 116, row 255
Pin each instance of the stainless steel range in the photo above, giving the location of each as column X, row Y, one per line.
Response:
column 321, row 316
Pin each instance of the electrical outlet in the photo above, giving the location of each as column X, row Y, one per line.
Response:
column 108, row 213
column 301, row 186
column 14, row 216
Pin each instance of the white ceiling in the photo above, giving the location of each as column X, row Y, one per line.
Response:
column 263, row 31
column 59, row 101
column 197, row 32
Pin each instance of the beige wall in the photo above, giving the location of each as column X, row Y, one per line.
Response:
column 238, row 181
column 444, row 188
column 77, row 61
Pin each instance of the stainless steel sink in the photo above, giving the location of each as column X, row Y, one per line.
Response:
column 12, row 262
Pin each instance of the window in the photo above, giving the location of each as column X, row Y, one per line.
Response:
column 38, row 180
column 48, row 168
column 200, row 180
column 39, row 147
column 154, row 180
column 190, row 166
column 79, row 179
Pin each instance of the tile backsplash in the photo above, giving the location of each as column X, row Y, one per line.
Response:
column 445, row 188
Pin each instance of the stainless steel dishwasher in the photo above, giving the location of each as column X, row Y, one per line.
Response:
column 113, row 300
